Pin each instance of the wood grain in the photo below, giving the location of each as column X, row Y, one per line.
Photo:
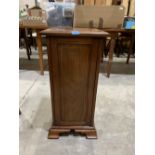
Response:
column 74, row 68
column 40, row 52
column 89, row 2
column 100, row 2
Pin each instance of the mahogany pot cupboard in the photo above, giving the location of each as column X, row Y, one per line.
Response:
column 74, row 58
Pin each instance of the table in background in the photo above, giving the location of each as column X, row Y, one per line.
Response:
column 39, row 43
column 114, row 33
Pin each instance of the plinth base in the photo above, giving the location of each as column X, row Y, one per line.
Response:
column 89, row 132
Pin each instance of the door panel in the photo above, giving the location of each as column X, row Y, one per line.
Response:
column 74, row 65
column 73, row 75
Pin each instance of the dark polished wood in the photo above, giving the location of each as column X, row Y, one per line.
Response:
column 74, row 67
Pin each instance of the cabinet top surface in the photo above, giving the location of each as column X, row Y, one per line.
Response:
column 75, row 32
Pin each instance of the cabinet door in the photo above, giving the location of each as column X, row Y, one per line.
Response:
column 73, row 64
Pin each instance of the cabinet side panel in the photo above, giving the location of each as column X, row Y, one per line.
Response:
column 97, row 50
column 92, row 83
column 73, row 65
column 54, row 78
column 74, row 70
column 50, row 77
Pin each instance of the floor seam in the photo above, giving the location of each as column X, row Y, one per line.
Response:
column 22, row 99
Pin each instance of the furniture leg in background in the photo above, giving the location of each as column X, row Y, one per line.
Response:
column 114, row 34
column 39, row 42
column 28, row 49
column 111, row 51
column 130, row 47
column 40, row 52
column 103, row 49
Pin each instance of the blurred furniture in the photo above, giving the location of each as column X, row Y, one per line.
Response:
column 74, row 58
column 114, row 35
column 116, row 2
column 27, row 44
column 32, row 36
column 98, row 16
column 123, row 44
column 36, row 20
column 39, row 43
column 101, row 24
column 118, row 38
column 128, row 10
